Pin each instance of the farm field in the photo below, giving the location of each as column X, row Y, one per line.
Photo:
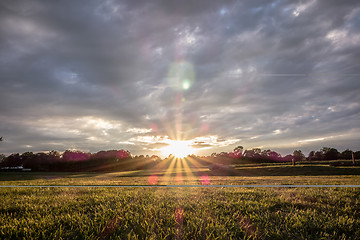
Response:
column 241, row 175
column 177, row 212
column 209, row 119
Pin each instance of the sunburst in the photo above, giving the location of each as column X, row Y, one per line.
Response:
column 178, row 148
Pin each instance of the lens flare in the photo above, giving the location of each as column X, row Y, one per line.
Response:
column 186, row 84
column 181, row 75
column 179, row 215
column 205, row 180
column 153, row 180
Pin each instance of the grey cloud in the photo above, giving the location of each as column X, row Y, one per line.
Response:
column 111, row 59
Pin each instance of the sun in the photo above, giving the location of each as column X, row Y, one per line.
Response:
column 179, row 149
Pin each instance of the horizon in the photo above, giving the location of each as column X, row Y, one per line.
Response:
column 169, row 154
column 166, row 77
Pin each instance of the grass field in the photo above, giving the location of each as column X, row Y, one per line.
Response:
column 179, row 213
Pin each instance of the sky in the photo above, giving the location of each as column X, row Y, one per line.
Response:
column 137, row 75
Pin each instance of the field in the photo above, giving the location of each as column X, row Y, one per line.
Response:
column 182, row 212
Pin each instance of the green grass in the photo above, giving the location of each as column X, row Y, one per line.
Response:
column 298, row 170
column 179, row 213
column 66, row 179
column 241, row 174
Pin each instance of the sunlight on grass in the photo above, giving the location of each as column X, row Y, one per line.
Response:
column 169, row 171
column 162, row 213
column 179, row 179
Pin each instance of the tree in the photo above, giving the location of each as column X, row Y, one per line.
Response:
column 265, row 153
column 330, row 153
column 223, row 154
column 347, row 154
column 75, row 156
column 274, row 156
column 123, row 154
column 239, row 149
column 14, row 160
column 288, row 158
column 249, row 153
column 252, row 153
column 298, row 155
column 318, row 155
column 357, row 155
column 311, row 155
column 28, row 159
column 156, row 158
column 257, row 151
column 237, row 153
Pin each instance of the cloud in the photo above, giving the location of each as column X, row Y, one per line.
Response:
column 107, row 74
column 139, row 130
column 311, row 140
column 213, row 141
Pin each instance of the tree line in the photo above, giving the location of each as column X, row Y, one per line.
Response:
column 121, row 160
column 74, row 160
column 258, row 155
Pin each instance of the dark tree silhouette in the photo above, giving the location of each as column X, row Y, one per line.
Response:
column 298, row 156
column 237, row 153
column 122, row 160
column 318, row 155
column 357, row 155
column 239, row 149
column 347, row 154
column 250, row 153
column 330, row 153
column 311, row 155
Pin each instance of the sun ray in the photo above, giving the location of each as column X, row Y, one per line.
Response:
column 169, row 171
column 179, row 178
column 190, row 176
column 201, row 170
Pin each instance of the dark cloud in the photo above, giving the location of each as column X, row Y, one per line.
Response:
column 279, row 75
